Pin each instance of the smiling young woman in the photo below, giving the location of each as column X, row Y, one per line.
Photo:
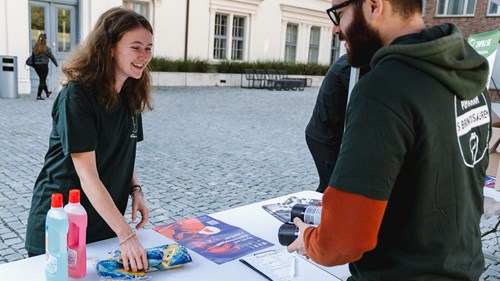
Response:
column 96, row 126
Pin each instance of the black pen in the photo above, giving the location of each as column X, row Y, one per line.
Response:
column 255, row 269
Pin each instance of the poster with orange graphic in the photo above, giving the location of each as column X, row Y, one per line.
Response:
column 213, row 239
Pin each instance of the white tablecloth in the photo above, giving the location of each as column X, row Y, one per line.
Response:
column 251, row 218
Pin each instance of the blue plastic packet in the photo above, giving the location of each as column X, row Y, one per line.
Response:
column 159, row 258
column 113, row 270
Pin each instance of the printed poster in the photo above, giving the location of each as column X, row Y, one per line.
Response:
column 213, row 239
column 489, row 182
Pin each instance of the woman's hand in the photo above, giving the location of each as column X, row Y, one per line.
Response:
column 133, row 254
column 139, row 205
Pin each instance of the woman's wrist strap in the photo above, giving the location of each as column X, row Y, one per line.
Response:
column 135, row 188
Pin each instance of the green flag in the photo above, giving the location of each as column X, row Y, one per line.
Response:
column 486, row 45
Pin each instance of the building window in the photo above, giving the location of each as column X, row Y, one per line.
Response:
column 314, row 45
column 220, row 36
column 455, row 7
column 291, row 42
column 238, row 39
column 140, row 7
column 493, row 9
column 229, row 37
column 335, row 54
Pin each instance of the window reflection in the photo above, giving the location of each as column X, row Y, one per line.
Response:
column 220, row 36
column 238, row 38
column 142, row 8
column 63, row 30
column 291, row 42
column 37, row 23
column 314, row 44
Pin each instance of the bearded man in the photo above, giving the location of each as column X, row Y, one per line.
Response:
column 405, row 198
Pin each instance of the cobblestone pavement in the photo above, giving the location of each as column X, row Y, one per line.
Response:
column 205, row 150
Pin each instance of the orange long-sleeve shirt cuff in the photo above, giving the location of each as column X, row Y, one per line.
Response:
column 349, row 227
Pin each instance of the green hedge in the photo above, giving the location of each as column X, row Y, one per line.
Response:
column 203, row 66
column 169, row 65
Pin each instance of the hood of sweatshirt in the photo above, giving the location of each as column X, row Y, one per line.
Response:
column 442, row 52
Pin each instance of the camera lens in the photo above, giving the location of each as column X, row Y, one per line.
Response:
column 307, row 213
column 287, row 234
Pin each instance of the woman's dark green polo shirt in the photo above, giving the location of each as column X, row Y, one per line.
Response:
column 80, row 124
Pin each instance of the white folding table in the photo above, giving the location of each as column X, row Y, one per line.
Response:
column 251, row 218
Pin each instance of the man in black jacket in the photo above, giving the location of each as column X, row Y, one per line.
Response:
column 326, row 126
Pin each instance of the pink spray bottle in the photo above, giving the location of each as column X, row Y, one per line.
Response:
column 77, row 251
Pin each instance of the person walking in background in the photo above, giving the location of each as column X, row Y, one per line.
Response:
column 326, row 126
column 96, row 126
column 41, row 55
column 406, row 196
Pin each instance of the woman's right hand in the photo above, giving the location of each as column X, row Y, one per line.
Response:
column 133, row 254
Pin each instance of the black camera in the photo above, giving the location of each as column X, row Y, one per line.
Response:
column 288, row 232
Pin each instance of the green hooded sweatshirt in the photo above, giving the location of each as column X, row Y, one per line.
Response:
column 417, row 133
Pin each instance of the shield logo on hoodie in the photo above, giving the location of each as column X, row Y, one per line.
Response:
column 472, row 123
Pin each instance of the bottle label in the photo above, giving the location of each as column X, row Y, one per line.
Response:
column 51, row 263
column 312, row 214
column 46, row 238
column 72, row 257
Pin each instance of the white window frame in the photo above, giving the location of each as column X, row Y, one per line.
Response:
column 247, row 9
column 463, row 12
column 291, row 43
column 488, row 13
column 229, row 38
column 313, row 55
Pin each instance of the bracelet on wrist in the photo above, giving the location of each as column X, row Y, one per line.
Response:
column 134, row 189
column 128, row 237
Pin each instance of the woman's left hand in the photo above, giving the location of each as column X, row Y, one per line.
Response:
column 139, row 205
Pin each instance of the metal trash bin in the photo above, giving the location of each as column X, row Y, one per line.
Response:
column 8, row 77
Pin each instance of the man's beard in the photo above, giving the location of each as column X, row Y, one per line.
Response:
column 363, row 41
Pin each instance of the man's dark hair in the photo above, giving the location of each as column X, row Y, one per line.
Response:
column 405, row 8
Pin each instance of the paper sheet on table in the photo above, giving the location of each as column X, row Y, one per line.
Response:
column 277, row 264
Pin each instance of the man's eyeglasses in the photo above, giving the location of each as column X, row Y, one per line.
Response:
column 332, row 12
